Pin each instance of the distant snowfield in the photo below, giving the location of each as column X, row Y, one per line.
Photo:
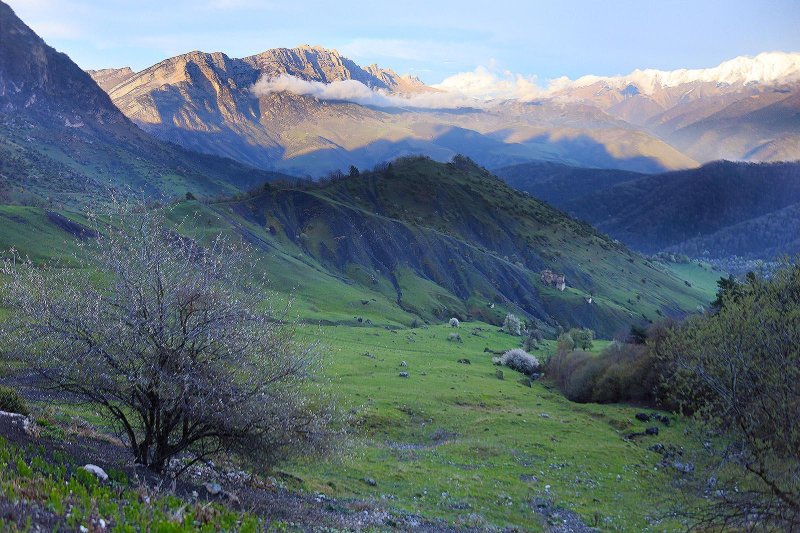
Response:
column 767, row 67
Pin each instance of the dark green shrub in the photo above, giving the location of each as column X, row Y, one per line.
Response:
column 622, row 373
column 12, row 402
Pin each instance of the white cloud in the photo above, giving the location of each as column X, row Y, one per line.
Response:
column 356, row 92
column 486, row 84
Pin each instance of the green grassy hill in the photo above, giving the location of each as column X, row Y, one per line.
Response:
column 421, row 240
column 445, row 240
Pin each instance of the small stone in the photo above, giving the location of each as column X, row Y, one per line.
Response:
column 643, row 417
column 403, row 363
column 651, row 431
column 544, row 415
column 213, row 488
column 97, row 471
column 371, row 482
column 465, row 361
column 403, row 374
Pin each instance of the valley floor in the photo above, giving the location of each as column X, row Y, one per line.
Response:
column 460, row 442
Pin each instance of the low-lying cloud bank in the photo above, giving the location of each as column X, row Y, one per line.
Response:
column 486, row 85
column 357, row 92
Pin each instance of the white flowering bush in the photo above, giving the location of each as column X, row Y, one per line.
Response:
column 512, row 325
column 521, row 361
column 454, row 323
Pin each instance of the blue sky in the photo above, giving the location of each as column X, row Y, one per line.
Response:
column 431, row 39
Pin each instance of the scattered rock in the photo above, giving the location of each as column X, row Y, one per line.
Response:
column 643, row 417
column 371, row 482
column 651, row 431
column 658, row 448
column 544, row 415
column 213, row 488
column 403, row 363
column 686, row 468
column 464, row 361
column 96, row 471
column 403, row 374
column 18, row 423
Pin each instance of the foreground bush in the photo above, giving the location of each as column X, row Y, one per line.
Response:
column 12, row 402
column 738, row 372
column 171, row 345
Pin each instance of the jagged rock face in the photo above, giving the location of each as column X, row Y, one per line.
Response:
column 62, row 139
column 108, row 78
column 38, row 79
column 319, row 64
column 204, row 102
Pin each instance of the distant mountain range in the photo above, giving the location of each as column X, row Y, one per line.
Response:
column 719, row 210
column 309, row 110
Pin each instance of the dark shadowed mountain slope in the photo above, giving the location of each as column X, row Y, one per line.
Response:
column 660, row 211
column 63, row 140
column 769, row 236
column 556, row 183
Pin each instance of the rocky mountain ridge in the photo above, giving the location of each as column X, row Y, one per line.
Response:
column 648, row 121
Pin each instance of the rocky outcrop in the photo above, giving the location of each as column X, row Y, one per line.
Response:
column 36, row 79
column 559, row 281
column 108, row 78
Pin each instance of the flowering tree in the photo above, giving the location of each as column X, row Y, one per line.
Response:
column 168, row 338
